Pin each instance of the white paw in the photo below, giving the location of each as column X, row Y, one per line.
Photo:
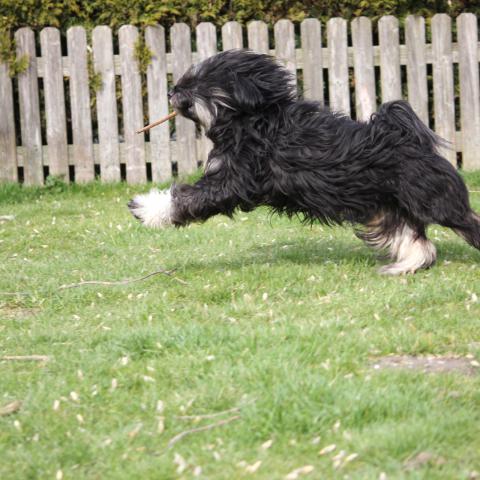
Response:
column 153, row 209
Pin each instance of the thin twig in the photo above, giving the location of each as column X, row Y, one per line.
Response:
column 30, row 358
column 10, row 408
column 208, row 415
column 181, row 435
column 123, row 282
column 14, row 293
column 474, row 191
column 5, row 218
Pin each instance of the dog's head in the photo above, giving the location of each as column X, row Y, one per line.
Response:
column 232, row 82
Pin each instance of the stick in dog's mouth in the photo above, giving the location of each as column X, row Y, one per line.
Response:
column 158, row 122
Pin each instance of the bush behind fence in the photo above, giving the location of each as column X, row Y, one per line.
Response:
column 50, row 126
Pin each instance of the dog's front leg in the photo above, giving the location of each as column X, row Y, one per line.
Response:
column 182, row 204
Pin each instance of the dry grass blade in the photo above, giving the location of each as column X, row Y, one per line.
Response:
column 10, row 408
column 208, row 415
column 123, row 282
column 25, row 358
column 158, row 122
column 183, row 434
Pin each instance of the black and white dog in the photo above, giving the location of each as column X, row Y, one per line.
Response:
column 272, row 148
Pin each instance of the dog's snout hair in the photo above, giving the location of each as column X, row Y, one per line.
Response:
column 270, row 147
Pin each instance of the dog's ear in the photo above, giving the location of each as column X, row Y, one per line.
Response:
column 246, row 93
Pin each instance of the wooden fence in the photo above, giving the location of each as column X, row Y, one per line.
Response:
column 47, row 124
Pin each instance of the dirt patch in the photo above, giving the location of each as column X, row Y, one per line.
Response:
column 428, row 364
column 15, row 312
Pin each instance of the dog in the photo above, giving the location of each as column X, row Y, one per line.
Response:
column 385, row 177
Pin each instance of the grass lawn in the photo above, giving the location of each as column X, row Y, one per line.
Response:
column 278, row 321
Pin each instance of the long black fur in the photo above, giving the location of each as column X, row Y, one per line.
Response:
column 273, row 148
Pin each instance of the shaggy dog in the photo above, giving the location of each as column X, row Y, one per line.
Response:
column 272, row 148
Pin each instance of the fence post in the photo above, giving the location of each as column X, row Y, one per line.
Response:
column 54, row 102
column 310, row 30
column 80, row 105
column 467, row 34
column 185, row 129
column 157, row 87
column 29, row 109
column 258, row 36
column 232, row 36
column 339, row 91
column 132, row 106
column 365, row 100
column 107, row 115
column 285, row 46
column 8, row 147
column 444, row 103
column 416, row 66
column 390, row 76
column 206, row 47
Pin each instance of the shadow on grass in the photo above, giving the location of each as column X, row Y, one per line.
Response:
column 321, row 252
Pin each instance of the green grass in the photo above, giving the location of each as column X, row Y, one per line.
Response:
column 278, row 318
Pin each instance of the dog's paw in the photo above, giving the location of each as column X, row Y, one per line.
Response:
column 153, row 209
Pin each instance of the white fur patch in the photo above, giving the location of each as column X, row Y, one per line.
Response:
column 412, row 253
column 153, row 209
column 203, row 114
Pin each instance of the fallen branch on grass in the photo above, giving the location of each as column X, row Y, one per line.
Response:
column 208, row 415
column 26, row 358
column 183, row 434
column 123, row 282
column 10, row 408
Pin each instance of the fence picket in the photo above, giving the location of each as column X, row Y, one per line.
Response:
column 339, row 92
column 311, row 35
column 8, row 147
column 107, row 115
column 467, row 33
column 258, row 36
column 390, row 76
column 54, row 102
column 232, row 36
column 443, row 95
column 157, row 87
column 132, row 106
column 185, row 129
column 285, row 45
column 206, row 47
column 416, row 66
column 365, row 100
column 80, row 105
column 29, row 109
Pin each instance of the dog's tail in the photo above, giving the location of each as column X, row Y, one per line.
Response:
column 470, row 230
column 399, row 115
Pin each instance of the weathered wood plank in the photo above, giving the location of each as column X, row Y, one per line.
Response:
column 285, row 45
column 443, row 93
column 416, row 66
column 467, row 34
column 206, row 47
column 184, row 129
column 54, row 102
column 8, row 148
column 365, row 101
column 80, row 105
column 132, row 106
column 232, row 36
column 339, row 92
column 29, row 109
column 390, row 75
column 258, row 36
column 157, row 87
column 311, row 35
column 107, row 112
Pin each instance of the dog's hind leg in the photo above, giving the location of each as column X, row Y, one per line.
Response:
column 407, row 244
